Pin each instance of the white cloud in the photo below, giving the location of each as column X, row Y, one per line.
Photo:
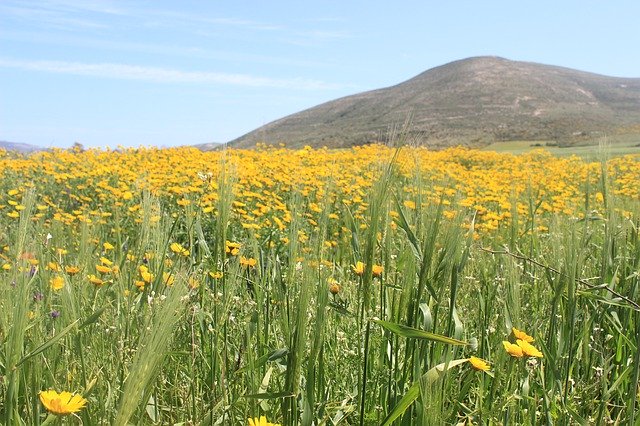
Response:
column 164, row 75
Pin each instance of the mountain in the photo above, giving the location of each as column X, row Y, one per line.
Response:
column 20, row 147
column 474, row 101
column 208, row 146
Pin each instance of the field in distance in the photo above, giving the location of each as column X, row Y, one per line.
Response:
column 590, row 149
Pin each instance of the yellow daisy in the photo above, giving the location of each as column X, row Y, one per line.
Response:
column 62, row 403
column 519, row 334
column 528, row 349
column 262, row 421
column 479, row 364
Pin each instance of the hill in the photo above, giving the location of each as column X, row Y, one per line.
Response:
column 20, row 147
column 474, row 101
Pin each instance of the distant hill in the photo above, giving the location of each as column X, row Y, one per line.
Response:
column 473, row 101
column 20, row 147
column 208, row 146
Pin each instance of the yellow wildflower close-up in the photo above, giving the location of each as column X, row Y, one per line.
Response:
column 377, row 270
column 56, row 283
column 93, row 279
column 519, row 334
column 513, row 349
column 261, row 421
column 358, row 268
column 232, row 248
column 528, row 349
column 62, row 403
column 178, row 249
column 71, row 270
column 248, row 262
column 479, row 364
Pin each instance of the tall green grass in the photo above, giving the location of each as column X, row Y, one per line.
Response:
column 272, row 340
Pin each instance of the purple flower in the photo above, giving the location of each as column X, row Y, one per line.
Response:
column 38, row 296
column 55, row 314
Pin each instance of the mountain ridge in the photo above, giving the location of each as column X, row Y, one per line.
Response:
column 19, row 147
column 474, row 102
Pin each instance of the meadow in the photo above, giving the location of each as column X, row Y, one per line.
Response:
column 365, row 286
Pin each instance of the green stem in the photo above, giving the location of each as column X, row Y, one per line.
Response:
column 50, row 419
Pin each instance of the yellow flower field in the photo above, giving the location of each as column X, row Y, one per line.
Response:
column 93, row 185
column 369, row 285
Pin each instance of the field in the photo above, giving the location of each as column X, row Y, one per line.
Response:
column 363, row 286
column 590, row 149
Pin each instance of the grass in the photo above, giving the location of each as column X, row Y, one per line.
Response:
column 202, row 336
column 590, row 150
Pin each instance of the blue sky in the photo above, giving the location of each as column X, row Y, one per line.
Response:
column 152, row 72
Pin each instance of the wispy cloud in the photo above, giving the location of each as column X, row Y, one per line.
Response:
column 192, row 51
column 85, row 15
column 51, row 17
column 165, row 75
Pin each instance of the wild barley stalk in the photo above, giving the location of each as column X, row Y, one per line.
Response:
column 17, row 304
column 152, row 349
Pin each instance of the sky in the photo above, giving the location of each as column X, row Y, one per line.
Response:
column 166, row 73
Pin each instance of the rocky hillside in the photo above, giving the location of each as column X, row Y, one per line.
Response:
column 474, row 102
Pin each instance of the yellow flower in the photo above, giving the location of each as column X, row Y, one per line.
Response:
column 248, row 261
column 6, row 267
column 377, row 270
column 71, row 270
column 145, row 274
column 95, row 280
column 105, row 261
column 177, row 248
column 519, row 334
column 168, row 278
column 232, row 248
column 53, row 266
column 409, row 204
column 479, row 364
column 62, row 403
column 512, row 349
column 107, row 246
column 216, row 274
column 262, row 421
column 334, row 286
column 56, row 282
column 193, row 283
column 103, row 269
column 358, row 268
column 528, row 349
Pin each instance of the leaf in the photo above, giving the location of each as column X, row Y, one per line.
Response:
column 48, row 343
column 427, row 319
column 415, row 247
column 355, row 244
column 93, row 318
column 434, row 373
column 269, row 356
column 269, row 395
column 414, row 391
column 277, row 354
column 414, row 333
column 340, row 309
column 152, row 409
column 402, row 405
